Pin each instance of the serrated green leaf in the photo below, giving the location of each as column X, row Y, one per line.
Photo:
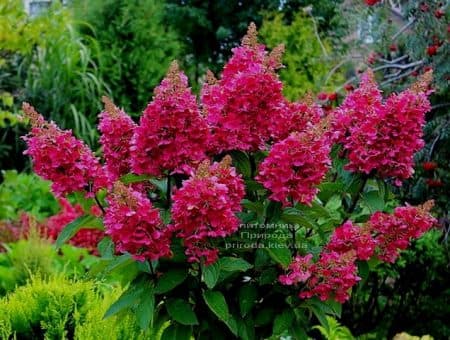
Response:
column 210, row 275
column 170, row 280
column 181, row 311
column 233, row 264
column 85, row 221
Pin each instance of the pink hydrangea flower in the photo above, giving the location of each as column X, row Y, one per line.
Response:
column 298, row 271
column 295, row 166
column 205, row 208
column 350, row 237
column 297, row 117
column 172, row 134
column 61, row 158
column 135, row 226
column 84, row 238
column 243, row 107
column 116, row 129
column 393, row 232
column 332, row 276
column 379, row 136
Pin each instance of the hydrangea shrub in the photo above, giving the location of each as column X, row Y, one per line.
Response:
column 241, row 213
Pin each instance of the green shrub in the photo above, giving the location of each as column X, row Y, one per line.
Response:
column 136, row 46
column 59, row 308
column 25, row 192
column 308, row 57
column 37, row 256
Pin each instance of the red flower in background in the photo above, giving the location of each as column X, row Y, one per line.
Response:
column 84, row 238
column 371, row 2
column 432, row 50
column 429, row 166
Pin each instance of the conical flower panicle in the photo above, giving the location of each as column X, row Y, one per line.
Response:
column 205, row 208
column 135, row 226
column 116, row 129
column 295, row 166
column 379, row 136
column 61, row 158
column 172, row 134
column 243, row 107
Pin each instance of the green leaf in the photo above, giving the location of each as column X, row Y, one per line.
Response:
column 374, row 201
column 181, row 311
column 129, row 298
column 234, row 264
column 293, row 216
column 210, row 274
column 242, row 162
column 256, row 207
column 268, row 276
column 334, row 203
column 145, row 310
column 363, row 272
column 247, row 298
column 218, row 305
column 283, row 321
column 132, row 178
column 177, row 332
column 170, row 280
column 280, row 255
column 106, row 248
column 85, row 221
column 273, row 211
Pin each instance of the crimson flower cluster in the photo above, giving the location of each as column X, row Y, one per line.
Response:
column 205, row 208
column 134, row 225
column 116, row 129
column 244, row 106
column 335, row 272
column 350, row 237
column 295, row 166
column 61, row 158
column 172, row 134
column 244, row 110
column 393, row 232
column 379, row 136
